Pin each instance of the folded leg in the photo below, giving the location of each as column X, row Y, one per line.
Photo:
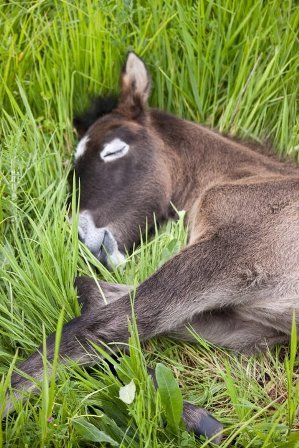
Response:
column 231, row 330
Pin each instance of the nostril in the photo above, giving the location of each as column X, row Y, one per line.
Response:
column 109, row 244
column 105, row 241
column 99, row 240
column 109, row 254
column 106, row 247
column 101, row 253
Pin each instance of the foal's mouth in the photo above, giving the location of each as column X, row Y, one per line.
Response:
column 100, row 241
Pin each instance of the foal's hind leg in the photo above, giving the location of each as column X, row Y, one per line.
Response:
column 92, row 295
column 196, row 280
column 202, row 278
column 227, row 328
column 230, row 330
column 196, row 419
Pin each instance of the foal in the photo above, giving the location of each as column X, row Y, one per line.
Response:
column 236, row 282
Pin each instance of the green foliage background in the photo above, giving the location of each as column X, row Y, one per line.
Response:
column 230, row 64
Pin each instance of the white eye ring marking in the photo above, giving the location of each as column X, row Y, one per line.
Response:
column 81, row 148
column 114, row 150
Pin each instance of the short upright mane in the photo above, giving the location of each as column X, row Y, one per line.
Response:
column 99, row 106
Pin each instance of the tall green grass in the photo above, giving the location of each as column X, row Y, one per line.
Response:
column 230, row 64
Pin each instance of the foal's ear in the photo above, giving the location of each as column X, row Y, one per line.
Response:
column 135, row 87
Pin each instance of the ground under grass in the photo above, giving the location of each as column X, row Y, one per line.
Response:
column 230, row 64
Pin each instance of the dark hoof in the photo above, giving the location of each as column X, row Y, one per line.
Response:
column 200, row 422
column 196, row 419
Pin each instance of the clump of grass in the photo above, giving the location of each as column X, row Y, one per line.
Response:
column 228, row 64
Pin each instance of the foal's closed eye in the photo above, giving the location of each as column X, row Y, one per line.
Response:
column 114, row 150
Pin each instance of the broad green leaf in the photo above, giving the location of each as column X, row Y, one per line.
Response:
column 91, row 433
column 127, row 393
column 171, row 396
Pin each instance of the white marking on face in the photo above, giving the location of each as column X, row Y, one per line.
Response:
column 99, row 240
column 81, row 148
column 114, row 150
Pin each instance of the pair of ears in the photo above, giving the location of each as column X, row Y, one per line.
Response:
column 135, row 90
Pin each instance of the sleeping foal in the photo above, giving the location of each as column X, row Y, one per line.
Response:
column 237, row 280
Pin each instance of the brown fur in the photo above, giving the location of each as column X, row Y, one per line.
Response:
column 237, row 281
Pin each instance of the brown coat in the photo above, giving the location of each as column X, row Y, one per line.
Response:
column 236, row 282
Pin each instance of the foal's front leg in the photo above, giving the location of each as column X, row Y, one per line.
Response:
column 92, row 294
column 195, row 280
column 170, row 297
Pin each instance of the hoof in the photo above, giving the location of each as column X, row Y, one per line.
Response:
column 200, row 422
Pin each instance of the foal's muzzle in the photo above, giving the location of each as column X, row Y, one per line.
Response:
column 99, row 240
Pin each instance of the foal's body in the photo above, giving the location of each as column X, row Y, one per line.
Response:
column 238, row 279
column 236, row 282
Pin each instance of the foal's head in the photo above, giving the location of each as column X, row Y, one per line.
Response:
column 124, row 179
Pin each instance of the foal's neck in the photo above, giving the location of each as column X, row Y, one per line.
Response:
column 200, row 157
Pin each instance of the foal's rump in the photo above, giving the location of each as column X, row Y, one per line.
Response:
column 256, row 225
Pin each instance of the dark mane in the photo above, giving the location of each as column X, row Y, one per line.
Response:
column 264, row 147
column 99, row 106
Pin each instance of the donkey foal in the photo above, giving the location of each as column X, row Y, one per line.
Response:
column 237, row 280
